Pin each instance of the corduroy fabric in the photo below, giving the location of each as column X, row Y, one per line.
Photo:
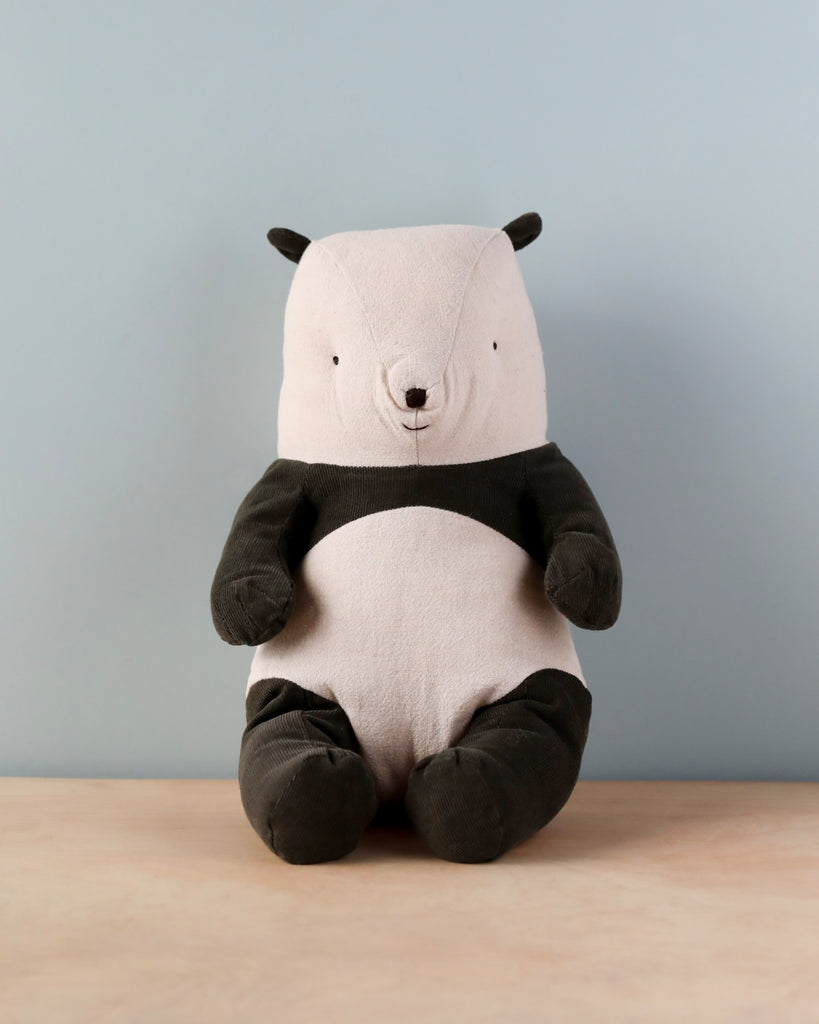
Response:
column 252, row 592
column 508, row 776
column 524, row 230
column 304, row 786
column 583, row 576
column 309, row 795
column 536, row 498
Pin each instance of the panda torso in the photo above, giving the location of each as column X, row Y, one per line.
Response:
column 419, row 598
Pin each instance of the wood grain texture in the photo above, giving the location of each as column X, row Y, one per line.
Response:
column 643, row 902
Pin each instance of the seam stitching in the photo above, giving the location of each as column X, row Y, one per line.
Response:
column 357, row 297
column 477, row 259
column 571, row 579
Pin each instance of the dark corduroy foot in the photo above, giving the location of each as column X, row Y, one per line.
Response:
column 511, row 772
column 323, row 809
column 304, row 785
column 453, row 807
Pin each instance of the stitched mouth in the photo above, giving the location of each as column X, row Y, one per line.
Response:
column 414, row 428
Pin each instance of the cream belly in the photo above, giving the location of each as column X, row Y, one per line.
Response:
column 412, row 619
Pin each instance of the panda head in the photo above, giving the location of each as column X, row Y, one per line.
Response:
column 410, row 346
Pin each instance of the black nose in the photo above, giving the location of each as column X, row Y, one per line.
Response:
column 416, row 397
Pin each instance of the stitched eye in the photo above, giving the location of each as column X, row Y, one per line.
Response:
column 494, row 344
column 335, row 360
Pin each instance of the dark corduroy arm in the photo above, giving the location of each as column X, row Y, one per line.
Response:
column 252, row 592
column 583, row 576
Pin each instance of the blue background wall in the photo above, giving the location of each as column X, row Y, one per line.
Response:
column 672, row 150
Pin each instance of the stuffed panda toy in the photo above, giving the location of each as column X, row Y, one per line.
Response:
column 408, row 567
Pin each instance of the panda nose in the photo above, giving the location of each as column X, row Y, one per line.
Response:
column 416, row 397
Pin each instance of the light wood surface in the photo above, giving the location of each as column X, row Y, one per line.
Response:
column 643, row 902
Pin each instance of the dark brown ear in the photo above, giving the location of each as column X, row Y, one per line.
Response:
column 289, row 243
column 524, row 229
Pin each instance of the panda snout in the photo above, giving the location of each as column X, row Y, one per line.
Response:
column 416, row 398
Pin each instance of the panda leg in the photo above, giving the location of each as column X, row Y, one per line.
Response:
column 304, row 786
column 509, row 774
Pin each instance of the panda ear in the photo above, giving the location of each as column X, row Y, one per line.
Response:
column 524, row 229
column 289, row 243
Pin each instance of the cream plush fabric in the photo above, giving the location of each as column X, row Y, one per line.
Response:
column 403, row 308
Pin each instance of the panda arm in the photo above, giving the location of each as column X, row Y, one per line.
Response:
column 583, row 576
column 252, row 592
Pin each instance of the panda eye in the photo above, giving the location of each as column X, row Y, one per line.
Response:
column 494, row 344
column 335, row 360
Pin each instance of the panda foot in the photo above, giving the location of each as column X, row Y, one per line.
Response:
column 305, row 787
column 455, row 807
column 510, row 774
column 322, row 809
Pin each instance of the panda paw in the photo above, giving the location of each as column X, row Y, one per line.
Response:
column 454, row 802
column 245, row 613
column 583, row 580
column 325, row 802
